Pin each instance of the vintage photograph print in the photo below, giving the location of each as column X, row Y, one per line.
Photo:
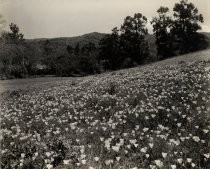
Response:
column 104, row 84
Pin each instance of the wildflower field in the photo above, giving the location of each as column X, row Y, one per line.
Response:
column 149, row 117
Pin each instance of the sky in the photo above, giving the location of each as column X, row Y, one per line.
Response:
column 67, row 18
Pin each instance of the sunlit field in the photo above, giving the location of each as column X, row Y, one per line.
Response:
column 149, row 117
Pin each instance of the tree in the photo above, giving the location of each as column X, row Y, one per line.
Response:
column 48, row 49
column 77, row 49
column 133, row 34
column 49, row 58
column 109, row 51
column 126, row 47
column 186, row 25
column 14, row 36
column 18, row 59
column 88, row 48
column 70, row 49
column 161, row 28
column 63, row 67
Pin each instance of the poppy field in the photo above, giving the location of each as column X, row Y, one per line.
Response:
column 149, row 117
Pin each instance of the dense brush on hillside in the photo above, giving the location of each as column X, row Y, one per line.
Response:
column 37, row 61
column 30, row 59
column 33, row 52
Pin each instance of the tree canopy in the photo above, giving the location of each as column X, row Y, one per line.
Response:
column 14, row 36
column 161, row 27
column 185, row 26
column 126, row 46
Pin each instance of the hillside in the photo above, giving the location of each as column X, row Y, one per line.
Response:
column 60, row 44
column 23, row 84
column 18, row 61
column 94, row 37
column 154, row 115
column 51, row 56
column 36, row 46
column 32, row 53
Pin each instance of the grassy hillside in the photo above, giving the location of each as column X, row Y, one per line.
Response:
column 153, row 116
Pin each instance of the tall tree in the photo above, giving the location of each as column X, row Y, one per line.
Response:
column 49, row 57
column 161, row 28
column 110, row 52
column 19, row 61
column 126, row 47
column 14, row 36
column 133, row 32
column 186, row 25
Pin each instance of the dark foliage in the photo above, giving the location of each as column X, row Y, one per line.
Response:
column 110, row 52
column 79, row 60
column 133, row 42
column 17, row 65
column 161, row 28
column 14, row 36
column 125, row 47
column 178, row 35
column 185, row 27
column 128, row 46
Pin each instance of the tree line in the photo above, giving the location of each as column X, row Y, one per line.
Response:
column 78, row 60
column 125, row 47
column 175, row 35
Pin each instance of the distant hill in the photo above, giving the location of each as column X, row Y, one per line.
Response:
column 35, row 47
column 33, row 52
column 90, row 37
column 60, row 44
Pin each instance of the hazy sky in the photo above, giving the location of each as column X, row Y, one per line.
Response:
column 65, row 18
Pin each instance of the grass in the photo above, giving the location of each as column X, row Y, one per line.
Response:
column 154, row 116
column 17, row 84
